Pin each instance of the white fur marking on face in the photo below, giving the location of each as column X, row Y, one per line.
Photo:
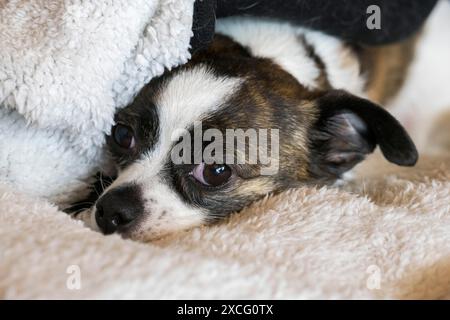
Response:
column 167, row 213
column 190, row 96
column 187, row 97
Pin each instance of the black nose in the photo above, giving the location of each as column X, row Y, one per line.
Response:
column 118, row 208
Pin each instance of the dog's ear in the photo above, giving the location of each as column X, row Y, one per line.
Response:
column 348, row 128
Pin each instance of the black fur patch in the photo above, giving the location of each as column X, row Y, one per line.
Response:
column 142, row 117
column 348, row 128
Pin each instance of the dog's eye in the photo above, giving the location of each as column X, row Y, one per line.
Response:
column 212, row 174
column 123, row 136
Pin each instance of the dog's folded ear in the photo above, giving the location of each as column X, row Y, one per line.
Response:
column 348, row 128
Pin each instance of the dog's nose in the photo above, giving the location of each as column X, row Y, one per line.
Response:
column 118, row 207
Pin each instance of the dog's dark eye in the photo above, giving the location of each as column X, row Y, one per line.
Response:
column 123, row 136
column 212, row 174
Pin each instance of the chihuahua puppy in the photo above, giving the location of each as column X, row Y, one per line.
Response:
column 309, row 88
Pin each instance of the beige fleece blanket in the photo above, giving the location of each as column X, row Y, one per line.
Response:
column 386, row 234
column 382, row 236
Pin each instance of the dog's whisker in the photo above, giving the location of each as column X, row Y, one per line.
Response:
column 101, row 182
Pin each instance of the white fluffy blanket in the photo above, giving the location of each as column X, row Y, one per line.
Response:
column 65, row 66
column 384, row 235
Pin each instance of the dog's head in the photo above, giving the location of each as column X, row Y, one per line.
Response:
column 176, row 169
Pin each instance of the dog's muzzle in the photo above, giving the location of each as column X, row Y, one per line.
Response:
column 118, row 208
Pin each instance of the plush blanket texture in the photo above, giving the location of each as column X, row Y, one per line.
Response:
column 65, row 67
column 384, row 234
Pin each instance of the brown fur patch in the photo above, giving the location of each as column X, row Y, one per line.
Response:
column 386, row 68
